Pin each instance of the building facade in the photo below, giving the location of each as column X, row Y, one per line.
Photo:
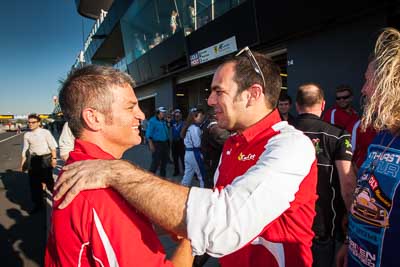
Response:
column 172, row 47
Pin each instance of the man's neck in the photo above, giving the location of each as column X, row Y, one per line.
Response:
column 316, row 112
column 97, row 139
column 254, row 118
column 348, row 110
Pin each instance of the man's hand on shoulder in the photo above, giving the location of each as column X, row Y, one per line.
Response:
column 85, row 175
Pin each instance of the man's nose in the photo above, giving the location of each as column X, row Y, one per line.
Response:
column 211, row 99
column 140, row 115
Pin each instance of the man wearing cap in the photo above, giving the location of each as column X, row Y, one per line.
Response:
column 157, row 137
column 177, row 147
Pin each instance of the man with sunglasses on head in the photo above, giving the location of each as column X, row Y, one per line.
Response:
column 41, row 146
column 261, row 209
column 342, row 113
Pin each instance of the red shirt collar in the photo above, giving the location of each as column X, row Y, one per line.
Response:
column 86, row 150
column 266, row 123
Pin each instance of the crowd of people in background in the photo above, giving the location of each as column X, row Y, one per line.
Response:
column 330, row 173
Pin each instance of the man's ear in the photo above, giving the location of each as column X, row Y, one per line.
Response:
column 323, row 105
column 255, row 92
column 94, row 120
column 297, row 108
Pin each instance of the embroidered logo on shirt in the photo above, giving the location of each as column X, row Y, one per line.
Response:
column 243, row 157
column 318, row 148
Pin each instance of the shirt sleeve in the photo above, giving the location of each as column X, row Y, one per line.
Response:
column 51, row 142
column 228, row 219
column 195, row 135
column 149, row 130
column 25, row 146
column 66, row 141
column 343, row 150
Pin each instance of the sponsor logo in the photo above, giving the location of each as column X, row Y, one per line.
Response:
column 347, row 144
column 243, row 157
column 366, row 257
column 317, row 147
column 216, row 49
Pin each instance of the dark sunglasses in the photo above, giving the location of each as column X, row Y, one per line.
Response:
column 343, row 97
column 253, row 62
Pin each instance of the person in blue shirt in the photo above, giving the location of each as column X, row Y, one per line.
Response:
column 374, row 216
column 157, row 135
column 177, row 146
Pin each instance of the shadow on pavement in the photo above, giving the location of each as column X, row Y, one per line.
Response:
column 26, row 236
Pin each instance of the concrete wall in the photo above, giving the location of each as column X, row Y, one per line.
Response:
column 335, row 56
column 163, row 90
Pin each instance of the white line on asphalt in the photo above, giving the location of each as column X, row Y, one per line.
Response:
column 8, row 138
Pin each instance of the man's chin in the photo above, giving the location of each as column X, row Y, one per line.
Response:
column 223, row 125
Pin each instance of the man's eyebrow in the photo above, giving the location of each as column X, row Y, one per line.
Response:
column 130, row 102
column 215, row 87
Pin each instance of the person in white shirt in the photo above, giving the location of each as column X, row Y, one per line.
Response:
column 41, row 147
column 192, row 140
column 66, row 142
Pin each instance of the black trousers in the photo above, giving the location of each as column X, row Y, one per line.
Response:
column 324, row 251
column 178, row 154
column 39, row 173
column 160, row 157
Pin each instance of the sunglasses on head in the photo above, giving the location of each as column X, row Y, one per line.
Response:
column 246, row 50
column 343, row 97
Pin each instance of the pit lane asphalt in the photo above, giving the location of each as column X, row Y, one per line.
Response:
column 22, row 236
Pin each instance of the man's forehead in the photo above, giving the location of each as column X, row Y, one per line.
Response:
column 346, row 92
column 125, row 93
column 224, row 73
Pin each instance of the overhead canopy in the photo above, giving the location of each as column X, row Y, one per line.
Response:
column 91, row 9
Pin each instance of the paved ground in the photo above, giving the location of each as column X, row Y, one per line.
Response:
column 23, row 236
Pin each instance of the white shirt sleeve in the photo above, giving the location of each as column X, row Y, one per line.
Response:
column 221, row 222
column 51, row 142
column 66, row 141
column 25, row 146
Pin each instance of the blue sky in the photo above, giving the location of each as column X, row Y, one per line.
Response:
column 39, row 43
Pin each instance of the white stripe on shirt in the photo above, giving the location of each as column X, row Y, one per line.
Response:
column 333, row 116
column 112, row 259
column 276, row 249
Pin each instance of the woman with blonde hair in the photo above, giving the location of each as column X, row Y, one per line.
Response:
column 374, row 217
column 191, row 133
